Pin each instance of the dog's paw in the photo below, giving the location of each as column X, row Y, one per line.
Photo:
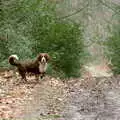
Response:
column 41, row 77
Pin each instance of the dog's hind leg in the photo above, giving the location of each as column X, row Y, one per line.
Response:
column 23, row 75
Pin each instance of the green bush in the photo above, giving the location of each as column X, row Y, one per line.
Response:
column 32, row 27
column 63, row 41
column 113, row 45
column 12, row 28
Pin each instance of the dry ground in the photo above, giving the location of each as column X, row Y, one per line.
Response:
column 88, row 98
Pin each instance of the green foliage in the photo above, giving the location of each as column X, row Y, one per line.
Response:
column 63, row 41
column 31, row 27
column 113, row 45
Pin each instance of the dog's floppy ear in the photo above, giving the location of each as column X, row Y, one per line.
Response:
column 47, row 57
column 39, row 57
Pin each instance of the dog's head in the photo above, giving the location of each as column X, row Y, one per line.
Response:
column 43, row 58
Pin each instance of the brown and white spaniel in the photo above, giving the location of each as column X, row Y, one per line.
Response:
column 37, row 67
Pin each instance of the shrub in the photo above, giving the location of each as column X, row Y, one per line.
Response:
column 63, row 41
column 12, row 28
column 113, row 45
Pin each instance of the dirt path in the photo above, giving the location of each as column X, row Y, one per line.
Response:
column 93, row 97
column 97, row 99
column 48, row 100
column 31, row 100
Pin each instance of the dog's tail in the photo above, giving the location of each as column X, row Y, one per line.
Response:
column 13, row 60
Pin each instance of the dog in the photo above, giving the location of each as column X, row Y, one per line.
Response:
column 37, row 67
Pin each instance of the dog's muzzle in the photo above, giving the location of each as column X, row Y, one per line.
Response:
column 43, row 60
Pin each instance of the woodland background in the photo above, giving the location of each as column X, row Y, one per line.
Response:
column 75, row 30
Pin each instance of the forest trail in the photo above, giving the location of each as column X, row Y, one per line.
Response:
column 94, row 96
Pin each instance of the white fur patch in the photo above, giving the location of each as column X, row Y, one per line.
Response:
column 43, row 60
column 42, row 67
column 15, row 56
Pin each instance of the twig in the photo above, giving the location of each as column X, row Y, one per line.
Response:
column 116, row 12
column 74, row 13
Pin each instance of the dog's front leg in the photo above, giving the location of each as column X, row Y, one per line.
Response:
column 37, row 77
column 42, row 75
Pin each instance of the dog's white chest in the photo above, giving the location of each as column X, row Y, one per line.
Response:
column 42, row 67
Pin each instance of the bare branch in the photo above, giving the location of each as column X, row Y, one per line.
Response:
column 76, row 12
column 114, row 10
